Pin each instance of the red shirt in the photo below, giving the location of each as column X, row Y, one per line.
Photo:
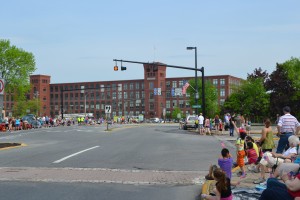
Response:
column 251, row 155
column 296, row 193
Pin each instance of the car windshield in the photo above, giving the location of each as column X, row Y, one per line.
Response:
column 192, row 118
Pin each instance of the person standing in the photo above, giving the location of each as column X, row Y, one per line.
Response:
column 287, row 125
column 201, row 122
column 231, row 127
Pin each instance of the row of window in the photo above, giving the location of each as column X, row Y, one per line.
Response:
column 102, row 87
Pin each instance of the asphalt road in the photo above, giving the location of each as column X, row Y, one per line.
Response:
column 154, row 161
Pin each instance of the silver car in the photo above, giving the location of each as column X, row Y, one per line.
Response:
column 190, row 122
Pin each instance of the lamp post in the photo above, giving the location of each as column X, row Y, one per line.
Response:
column 196, row 77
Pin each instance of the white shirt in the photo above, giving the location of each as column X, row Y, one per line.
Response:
column 201, row 119
column 291, row 150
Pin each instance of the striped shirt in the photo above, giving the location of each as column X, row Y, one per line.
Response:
column 288, row 124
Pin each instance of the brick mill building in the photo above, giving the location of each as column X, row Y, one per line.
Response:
column 126, row 97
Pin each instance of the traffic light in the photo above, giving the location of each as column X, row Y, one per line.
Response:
column 123, row 68
column 116, row 68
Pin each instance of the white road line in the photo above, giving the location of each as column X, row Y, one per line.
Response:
column 65, row 158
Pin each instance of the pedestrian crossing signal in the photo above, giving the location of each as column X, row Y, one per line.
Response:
column 123, row 68
column 116, row 68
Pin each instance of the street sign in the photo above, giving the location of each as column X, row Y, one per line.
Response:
column 107, row 109
column 196, row 106
column 1, row 86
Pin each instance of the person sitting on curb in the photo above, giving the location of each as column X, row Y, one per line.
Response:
column 223, row 187
column 289, row 190
column 277, row 159
column 293, row 167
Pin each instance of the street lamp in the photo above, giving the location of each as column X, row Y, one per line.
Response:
column 196, row 77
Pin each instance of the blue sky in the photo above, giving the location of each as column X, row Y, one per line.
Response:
column 76, row 41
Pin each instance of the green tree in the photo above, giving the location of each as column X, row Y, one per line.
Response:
column 211, row 97
column 16, row 65
column 292, row 68
column 175, row 112
column 283, row 86
column 250, row 99
column 21, row 107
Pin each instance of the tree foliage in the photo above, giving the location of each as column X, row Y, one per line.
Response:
column 16, row 65
column 175, row 112
column 211, row 97
column 250, row 99
column 22, row 107
column 283, row 86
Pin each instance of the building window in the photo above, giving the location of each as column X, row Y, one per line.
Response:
column 125, row 86
column 168, row 104
column 137, row 85
column 187, row 104
column 174, row 84
column 222, row 81
column 108, row 95
column 137, row 95
column 119, row 95
column 174, row 103
column 222, row 92
column 181, row 104
column 131, row 95
column 151, row 85
column 180, row 84
column 125, row 95
column 114, row 95
column 168, row 93
column 143, row 94
column 102, row 88
column 215, row 81
column 151, row 96
column 142, row 86
column 168, row 84
column 114, row 86
column 131, row 86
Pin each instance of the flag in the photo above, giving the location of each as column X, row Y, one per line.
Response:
column 184, row 88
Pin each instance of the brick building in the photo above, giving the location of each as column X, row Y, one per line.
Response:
column 126, row 97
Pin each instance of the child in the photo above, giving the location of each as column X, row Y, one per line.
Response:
column 225, row 162
column 223, row 189
column 251, row 153
column 240, row 153
column 240, row 160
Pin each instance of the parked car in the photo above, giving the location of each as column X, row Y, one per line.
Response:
column 190, row 122
column 154, row 120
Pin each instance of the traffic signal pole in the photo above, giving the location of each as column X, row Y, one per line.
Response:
column 178, row 67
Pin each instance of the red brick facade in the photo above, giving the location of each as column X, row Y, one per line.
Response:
column 127, row 97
